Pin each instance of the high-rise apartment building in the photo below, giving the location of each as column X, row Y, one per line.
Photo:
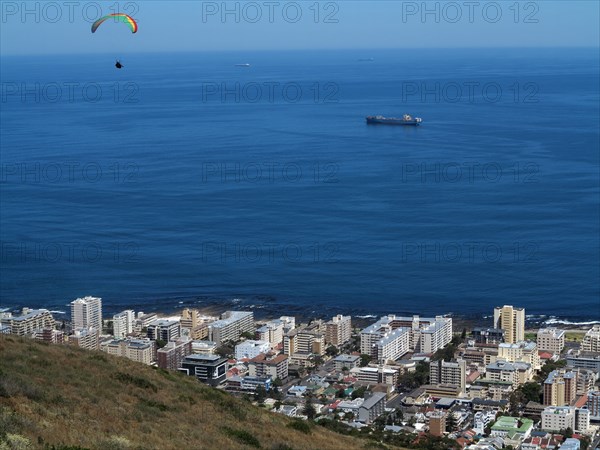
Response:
column 449, row 373
column 338, row 330
column 512, row 321
column 123, row 323
column 86, row 312
column 560, row 388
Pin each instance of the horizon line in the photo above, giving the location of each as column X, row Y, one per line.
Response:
column 266, row 50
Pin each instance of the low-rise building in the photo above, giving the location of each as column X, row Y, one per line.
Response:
column 571, row 444
column 522, row 351
column 87, row 338
column 347, row 406
column 173, row 353
column 372, row 407
column 164, row 330
column 347, row 362
column 143, row 320
column 51, row 336
column 591, row 340
column 210, row 369
column 139, row 350
column 516, row 373
column 551, row 340
column 482, row 419
column 586, row 379
column 271, row 332
column 376, row 375
column 250, row 349
column 482, row 335
column 512, row 427
column 437, row 423
column 559, row 418
column 272, row 366
column 204, row 347
column 584, row 360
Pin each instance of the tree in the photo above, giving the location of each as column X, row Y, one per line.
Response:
column 417, row 378
column 359, row 393
column 247, row 335
column 309, row 409
column 450, row 422
column 341, row 393
column 549, row 367
column 514, row 405
column 225, row 351
column 160, row 343
column 317, row 360
column 568, row 433
column 260, row 394
column 331, row 351
column 584, row 442
column 463, row 335
column 531, row 391
column 399, row 415
column 364, row 360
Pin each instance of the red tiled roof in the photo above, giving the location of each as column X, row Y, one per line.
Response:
column 545, row 355
column 269, row 360
column 581, row 401
column 462, row 442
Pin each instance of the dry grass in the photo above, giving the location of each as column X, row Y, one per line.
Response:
column 60, row 395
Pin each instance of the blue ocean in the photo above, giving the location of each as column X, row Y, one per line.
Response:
column 252, row 180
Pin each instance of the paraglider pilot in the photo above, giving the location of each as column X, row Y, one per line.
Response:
column 118, row 64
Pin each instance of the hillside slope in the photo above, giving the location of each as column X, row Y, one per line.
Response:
column 60, row 395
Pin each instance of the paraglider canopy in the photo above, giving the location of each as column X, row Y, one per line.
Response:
column 118, row 17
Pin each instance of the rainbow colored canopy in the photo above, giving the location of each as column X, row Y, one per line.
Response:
column 117, row 17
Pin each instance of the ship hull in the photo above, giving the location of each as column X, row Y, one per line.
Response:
column 402, row 122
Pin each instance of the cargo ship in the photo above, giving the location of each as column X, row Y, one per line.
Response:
column 405, row 120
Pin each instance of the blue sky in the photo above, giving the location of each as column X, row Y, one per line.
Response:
column 63, row 27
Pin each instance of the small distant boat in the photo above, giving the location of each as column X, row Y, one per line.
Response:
column 366, row 59
column 405, row 120
column 242, row 65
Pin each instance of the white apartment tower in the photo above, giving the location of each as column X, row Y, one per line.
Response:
column 86, row 312
column 123, row 323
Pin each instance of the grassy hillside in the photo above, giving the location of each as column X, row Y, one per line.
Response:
column 63, row 396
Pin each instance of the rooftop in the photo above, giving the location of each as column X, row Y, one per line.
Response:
column 30, row 315
column 203, row 358
column 373, row 400
column 507, row 423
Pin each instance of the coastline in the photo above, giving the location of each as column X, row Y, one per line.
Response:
column 267, row 307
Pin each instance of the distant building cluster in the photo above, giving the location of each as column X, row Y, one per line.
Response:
column 408, row 374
